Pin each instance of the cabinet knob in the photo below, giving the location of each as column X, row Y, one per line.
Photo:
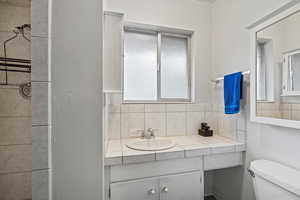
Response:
column 165, row 189
column 152, row 191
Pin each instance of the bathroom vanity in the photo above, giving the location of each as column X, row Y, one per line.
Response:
column 175, row 173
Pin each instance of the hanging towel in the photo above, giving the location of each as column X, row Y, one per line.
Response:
column 233, row 87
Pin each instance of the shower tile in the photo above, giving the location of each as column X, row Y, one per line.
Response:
column 40, row 185
column 15, row 158
column 39, row 103
column 9, row 19
column 39, row 17
column 15, row 78
column 15, row 130
column 13, row 104
column 39, row 59
column 40, row 147
column 15, row 186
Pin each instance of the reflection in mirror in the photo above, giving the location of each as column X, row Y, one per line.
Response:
column 278, row 70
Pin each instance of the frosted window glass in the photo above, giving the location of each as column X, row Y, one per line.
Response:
column 295, row 66
column 140, row 66
column 174, row 70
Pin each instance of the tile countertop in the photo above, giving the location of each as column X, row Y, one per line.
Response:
column 118, row 153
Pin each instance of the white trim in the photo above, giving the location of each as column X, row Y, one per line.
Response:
column 139, row 26
column 112, row 91
column 273, row 14
column 287, row 81
column 112, row 13
column 276, row 16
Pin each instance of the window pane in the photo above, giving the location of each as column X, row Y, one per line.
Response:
column 174, row 70
column 261, row 73
column 295, row 67
column 140, row 66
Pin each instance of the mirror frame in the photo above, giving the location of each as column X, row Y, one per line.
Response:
column 274, row 17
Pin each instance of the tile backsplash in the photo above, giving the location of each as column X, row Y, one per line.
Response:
column 127, row 120
column 282, row 110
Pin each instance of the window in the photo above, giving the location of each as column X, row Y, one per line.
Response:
column 261, row 73
column 265, row 70
column 156, row 66
column 291, row 73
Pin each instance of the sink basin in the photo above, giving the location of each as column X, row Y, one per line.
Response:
column 151, row 144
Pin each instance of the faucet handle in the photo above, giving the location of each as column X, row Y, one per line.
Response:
column 137, row 133
column 152, row 131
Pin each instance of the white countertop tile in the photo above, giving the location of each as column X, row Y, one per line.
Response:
column 186, row 146
column 173, row 153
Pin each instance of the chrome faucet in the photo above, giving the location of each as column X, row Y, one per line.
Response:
column 150, row 133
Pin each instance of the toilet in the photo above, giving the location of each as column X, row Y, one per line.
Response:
column 274, row 181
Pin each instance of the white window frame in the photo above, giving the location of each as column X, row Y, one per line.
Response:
column 160, row 31
column 287, row 77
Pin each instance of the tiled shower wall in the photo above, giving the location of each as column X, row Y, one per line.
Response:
column 126, row 120
column 15, row 110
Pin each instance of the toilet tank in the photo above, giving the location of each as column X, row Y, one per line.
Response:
column 274, row 181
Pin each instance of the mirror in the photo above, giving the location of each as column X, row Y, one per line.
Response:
column 275, row 80
column 278, row 69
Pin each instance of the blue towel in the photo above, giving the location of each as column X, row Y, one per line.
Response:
column 233, row 87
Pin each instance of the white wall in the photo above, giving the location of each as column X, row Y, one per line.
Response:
column 77, row 99
column 230, row 52
column 188, row 14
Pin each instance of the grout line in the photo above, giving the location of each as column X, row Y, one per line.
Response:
column 21, row 144
column 39, row 81
column 40, row 36
column 16, row 172
column 40, row 125
column 25, row 116
column 43, row 169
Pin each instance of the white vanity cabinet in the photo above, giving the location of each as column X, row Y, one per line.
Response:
column 185, row 186
column 179, row 179
column 181, row 187
column 145, row 189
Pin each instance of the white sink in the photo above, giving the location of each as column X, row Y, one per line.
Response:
column 151, row 144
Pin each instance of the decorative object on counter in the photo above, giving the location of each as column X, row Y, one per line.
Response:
column 205, row 130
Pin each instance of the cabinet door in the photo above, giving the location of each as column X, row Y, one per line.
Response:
column 182, row 187
column 146, row 189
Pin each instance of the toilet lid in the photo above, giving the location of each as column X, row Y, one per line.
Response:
column 286, row 177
